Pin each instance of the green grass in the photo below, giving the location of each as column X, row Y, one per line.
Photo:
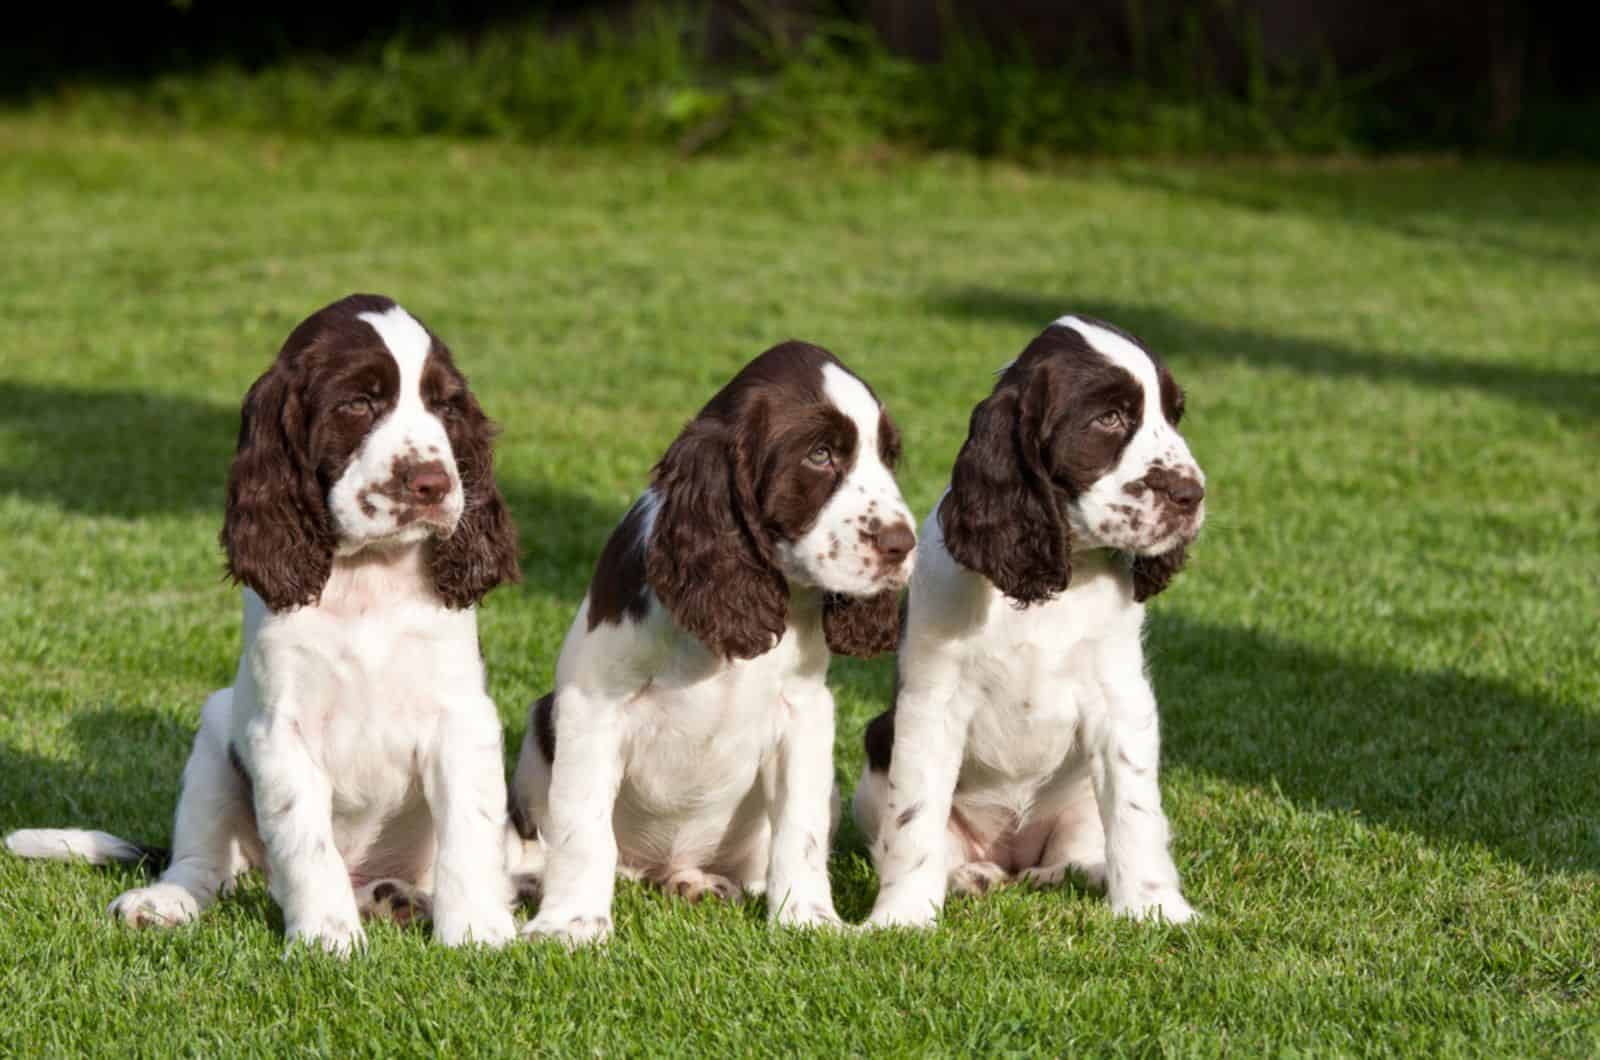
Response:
column 1379, row 683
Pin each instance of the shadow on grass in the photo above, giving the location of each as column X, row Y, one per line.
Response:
column 122, row 775
column 1451, row 758
column 1439, row 754
column 1574, row 394
column 135, row 454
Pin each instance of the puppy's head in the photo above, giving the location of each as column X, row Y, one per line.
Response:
column 1077, row 447
column 784, row 479
column 363, row 434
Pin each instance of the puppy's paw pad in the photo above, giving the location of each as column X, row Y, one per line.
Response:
column 394, row 900
column 694, row 885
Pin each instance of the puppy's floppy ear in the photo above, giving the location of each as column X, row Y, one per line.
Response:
column 708, row 561
column 861, row 626
column 1152, row 573
column 482, row 553
column 1001, row 517
column 276, row 529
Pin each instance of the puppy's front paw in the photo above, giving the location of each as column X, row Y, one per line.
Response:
column 490, row 926
column 1164, row 904
column 919, row 915
column 335, row 934
column 160, row 905
column 809, row 915
column 572, row 930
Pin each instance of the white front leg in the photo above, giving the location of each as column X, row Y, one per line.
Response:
column 1141, row 879
column 466, row 792
column 911, row 846
column 294, row 813
column 798, row 891
column 581, row 863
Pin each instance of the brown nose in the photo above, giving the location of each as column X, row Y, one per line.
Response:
column 427, row 483
column 1185, row 492
column 894, row 543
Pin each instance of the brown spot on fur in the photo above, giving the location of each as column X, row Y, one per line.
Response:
column 879, row 740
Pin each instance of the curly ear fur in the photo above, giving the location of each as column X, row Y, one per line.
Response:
column 861, row 626
column 1152, row 573
column 276, row 529
column 1001, row 517
column 482, row 553
column 708, row 561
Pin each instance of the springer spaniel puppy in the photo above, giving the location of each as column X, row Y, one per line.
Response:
column 690, row 733
column 357, row 757
column 1023, row 738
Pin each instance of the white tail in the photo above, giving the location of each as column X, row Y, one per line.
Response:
column 71, row 844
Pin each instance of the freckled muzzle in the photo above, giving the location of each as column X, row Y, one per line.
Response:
column 1175, row 497
column 416, row 491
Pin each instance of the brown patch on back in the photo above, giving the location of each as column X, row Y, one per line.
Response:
column 618, row 588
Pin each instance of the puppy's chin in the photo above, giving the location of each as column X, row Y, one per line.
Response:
column 387, row 539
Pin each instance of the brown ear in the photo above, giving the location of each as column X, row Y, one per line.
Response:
column 708, row 561
column 1152, row 573
column 861, row 626
column 276, row 528
column 482, row 553
column 1001, row 518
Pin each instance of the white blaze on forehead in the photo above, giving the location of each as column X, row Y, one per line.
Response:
column 1122, row 353
column 851, row 397
column 408, row 344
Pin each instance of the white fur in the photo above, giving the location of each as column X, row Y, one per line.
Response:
column 364, row 724
column 1026, row 740
column 1106, row 514
column 69, row 844
column 407, row 432
column 703, row 774
column 868, row 493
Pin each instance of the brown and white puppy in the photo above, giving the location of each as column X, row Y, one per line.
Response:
column 1023, row 740
column 689, row 739
column 357, row 755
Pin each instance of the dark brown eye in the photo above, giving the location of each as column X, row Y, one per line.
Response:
column 1110, row 421
column 821, row 457
column 358, row 406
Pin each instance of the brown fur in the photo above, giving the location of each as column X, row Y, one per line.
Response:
column 861, row 626
column 1001, row 517
column 295, row 439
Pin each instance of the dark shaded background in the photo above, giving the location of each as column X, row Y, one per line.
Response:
column 1481, row 74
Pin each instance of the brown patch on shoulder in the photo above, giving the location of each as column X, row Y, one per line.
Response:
column 879, row 739
column 618, row 588
column 544, row 726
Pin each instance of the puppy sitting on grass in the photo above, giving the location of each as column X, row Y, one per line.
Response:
column 357, row 757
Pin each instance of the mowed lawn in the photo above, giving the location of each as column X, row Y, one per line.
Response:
column 1378, row 677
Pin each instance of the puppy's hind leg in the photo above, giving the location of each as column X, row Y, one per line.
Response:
column 213, row 835
column 1076, row 846
column 394, row 899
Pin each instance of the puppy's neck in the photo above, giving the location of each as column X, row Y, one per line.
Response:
column 376, row 578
